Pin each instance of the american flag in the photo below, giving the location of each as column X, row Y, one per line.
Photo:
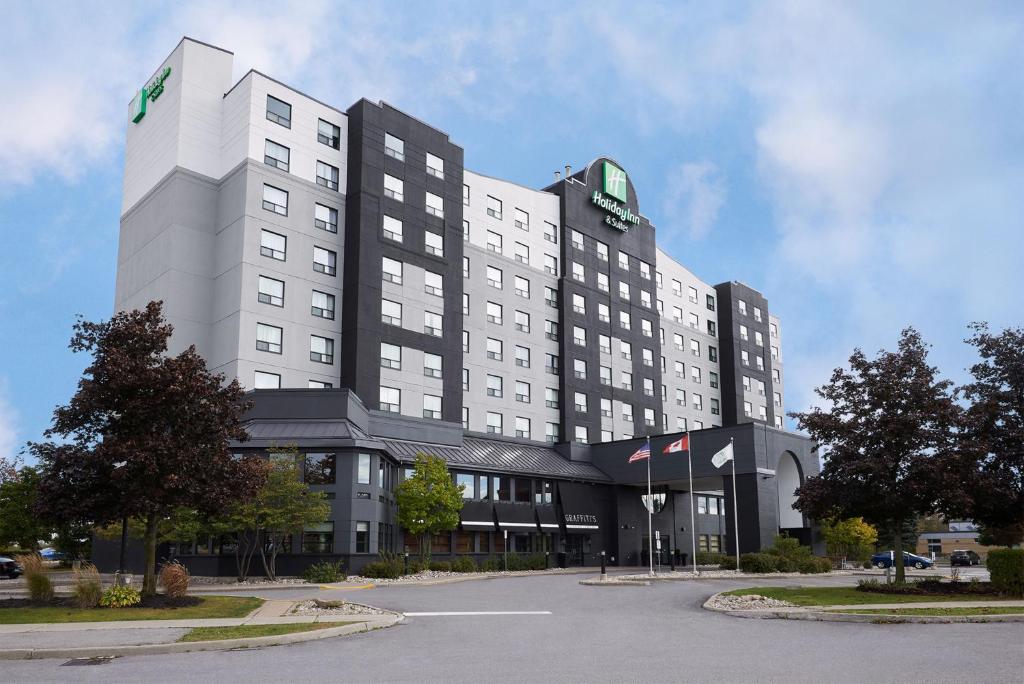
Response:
column 641, row 453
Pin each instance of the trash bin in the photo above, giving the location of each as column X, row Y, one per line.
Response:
column 561, row 559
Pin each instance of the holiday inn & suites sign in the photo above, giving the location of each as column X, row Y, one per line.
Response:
column 137, row 108
column 612, row 198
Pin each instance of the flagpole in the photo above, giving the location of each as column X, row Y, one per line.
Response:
column 735, row 509
column 650, row 507
column 693, row 529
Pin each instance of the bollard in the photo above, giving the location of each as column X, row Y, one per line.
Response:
column 604, row 570
column 406, row 562
column 546, row 558
column 672, row 560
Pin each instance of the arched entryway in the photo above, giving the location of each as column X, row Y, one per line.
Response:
column 788, row 478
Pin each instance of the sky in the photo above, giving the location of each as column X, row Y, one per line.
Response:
column 861, row 164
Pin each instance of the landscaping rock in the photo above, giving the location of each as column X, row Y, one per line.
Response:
column 318, row 607
column 746, row 602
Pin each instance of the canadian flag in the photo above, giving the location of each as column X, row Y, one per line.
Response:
column 681, row 444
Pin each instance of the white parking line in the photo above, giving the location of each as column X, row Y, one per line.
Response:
column 485, row 612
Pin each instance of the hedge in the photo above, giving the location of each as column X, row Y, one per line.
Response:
column 814, row 565
column 758, row 562
column 1006, row 568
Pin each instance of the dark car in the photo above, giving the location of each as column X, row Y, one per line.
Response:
column 910, row 560
column 9, row 568
column 968, row 558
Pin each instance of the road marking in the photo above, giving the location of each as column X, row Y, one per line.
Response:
column 483, row 612
column 361, row 586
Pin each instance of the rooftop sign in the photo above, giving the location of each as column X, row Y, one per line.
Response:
column 614, row 189
column 137, row 108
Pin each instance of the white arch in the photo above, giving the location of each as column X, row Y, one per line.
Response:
column 787, row 478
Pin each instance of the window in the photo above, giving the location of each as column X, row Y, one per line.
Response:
column 625, row 321
column 694, row 321
column 773, row 329
column 623, row 290
column 605, row 375
column 326, row 175
column 602, row 282
column 747, row 382
column 778, row 399
column 550, row 232
column 680, row 397
column 275, row 200
column 465, row 303
column 522, row 321
column 713, row 380
column 680, row 423
column 494, row 313
column 390, row 401
column 465, row 195
column 390, row 312
column 695, row 347
column 268, row 338
column 578, row 272
column 649, row 417
column 623, row 261
column 711, row 328
column 775, row 352
column 551, row 264
column 576, row 238
column 645, row 298
column 272, row 245
column 757, row 314
column 432, row 324
column 603, row 313
column 493, row 242
column 432, row 406
column 778, row 422
column 494, row 207
column 434, row 205
column 324, row 261
column 626, row 380
column 318, row 384
column 677, row 288
column 465, row 267
column 697, row 401
column 579, row 369
column 760, row 388
column 328, row 134
column 646, row 327
column 522, row 357
column 580, row 402
column 433, row 243
column 776, row 375
column 394, row 147
column 433, row 283
column 551, row 330
column 321, row 349
column 494, row 349
column 522, row 287
column 552, row 432
column 645, row 270
column 522, row 430
column 495, row 386
column 748, row 408
column 264, row 380
column 465, row 386
column 680, row 369
column 626, row 349
column 712, row 353
column 325, row 218
column 394, row 188
column 581, row 434
column 579, row 304
column 271, row 291
column 435, row 166
column 319, row 469
column 391, row 270
column 648, row 357
column 390, row 356
column 494, row 426
column 551, row 297
column 551, row 364
column 695, row 374
column 522, row 253
column 431, row 365
column 319, row 538
column 465, row 341
column 579, row 336
column 648, row 387
column 522, row 392
column 604, row 343
column 711, row 302
column 714, row 407
column 550, row 397
column 692, row 294
column 392, row 228
column 602, row 251
column 276, row 155
column 742, row 305
column 521, row 219
column 627, row 412
column 677, row 341
column 279, row 112
column 758, row 338
column 677, row 314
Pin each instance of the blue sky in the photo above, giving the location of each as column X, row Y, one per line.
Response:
column 862, row 164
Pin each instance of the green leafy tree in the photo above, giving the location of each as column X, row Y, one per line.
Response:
column 18, row 522
column 849, row 538
column 145, row 434
column 888, row 432
column 429, row 502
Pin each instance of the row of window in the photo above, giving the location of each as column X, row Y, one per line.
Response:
column 710, row 505
column 521, row 219
column 275, row 246
column 269, row 338
column 279, row 156
column 578, row 242
column 271, row 292
column 479, row 487
column 394, row 147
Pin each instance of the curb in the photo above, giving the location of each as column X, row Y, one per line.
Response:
column 185, row 647
column 615, row 583
column 871, row 618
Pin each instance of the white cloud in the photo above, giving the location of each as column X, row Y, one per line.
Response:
column 696, row 193
column 9, row 445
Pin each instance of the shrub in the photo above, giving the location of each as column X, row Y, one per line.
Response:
column 710, row 558
column 758, row 562
column 174, row 578
column 492, row 564
column 381, row 570
column 1006, row 568
column 40, row 588
column 121, row 597
column 441, row 566
column 790, row 548
column 727, row 563
column 324, row 572
column 784, row 564
column 814, row 565
column 867, row 565
column 88, row 589
column 464, row 564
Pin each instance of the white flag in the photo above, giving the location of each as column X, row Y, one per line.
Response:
column 723, row 456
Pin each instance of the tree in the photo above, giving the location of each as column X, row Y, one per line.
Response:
column 9, row 466
column 144, row 434
column 849, row 538
column 282, row 505
column 888, row 434
column 992, row 439
column 429, row 502
column 18, row 523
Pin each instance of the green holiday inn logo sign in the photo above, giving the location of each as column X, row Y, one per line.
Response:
column 137, row 108
column 612, row 198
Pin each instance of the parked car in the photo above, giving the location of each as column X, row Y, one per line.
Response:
column 910, row 560
column 961, row 557
column 10, row 568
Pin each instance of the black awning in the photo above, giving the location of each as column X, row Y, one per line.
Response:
column 516, row 517
column 581, row 512
column 477, row 516
column 548, row 518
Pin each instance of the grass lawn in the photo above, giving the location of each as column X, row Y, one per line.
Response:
column 840, row 596
column 942, row 612
column 246, row 631
column 208, row 607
